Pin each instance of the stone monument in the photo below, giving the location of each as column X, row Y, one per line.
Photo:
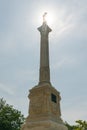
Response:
column 44, row 106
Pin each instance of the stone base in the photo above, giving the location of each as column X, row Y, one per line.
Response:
column 43, row 125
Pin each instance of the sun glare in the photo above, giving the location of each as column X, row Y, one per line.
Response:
column 49, row 17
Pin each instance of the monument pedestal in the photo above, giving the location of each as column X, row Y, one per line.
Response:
column 44, row 125
column 44, row 109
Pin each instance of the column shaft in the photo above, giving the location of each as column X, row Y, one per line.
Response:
column 44, row 73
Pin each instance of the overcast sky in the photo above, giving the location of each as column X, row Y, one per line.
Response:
column 20, row 47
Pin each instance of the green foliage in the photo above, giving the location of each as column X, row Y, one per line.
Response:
column 70, row 127
column 10, row 118
column 81, row 125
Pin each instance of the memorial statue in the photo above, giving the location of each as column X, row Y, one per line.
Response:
column 44, row 17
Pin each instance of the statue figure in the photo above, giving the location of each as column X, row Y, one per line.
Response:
column 44, row 15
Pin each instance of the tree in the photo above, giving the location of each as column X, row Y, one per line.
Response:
column 10, row 118
column 81, row 125
column 70, row 127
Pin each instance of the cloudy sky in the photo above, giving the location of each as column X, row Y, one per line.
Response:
column 20, row 46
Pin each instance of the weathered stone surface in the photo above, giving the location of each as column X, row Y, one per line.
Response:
column 44, row 125
column 44, row 114
column 41, row 106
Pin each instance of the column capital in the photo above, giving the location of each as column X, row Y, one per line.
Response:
column 44, row 29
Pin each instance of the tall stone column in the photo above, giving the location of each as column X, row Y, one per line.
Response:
column 44, row 73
